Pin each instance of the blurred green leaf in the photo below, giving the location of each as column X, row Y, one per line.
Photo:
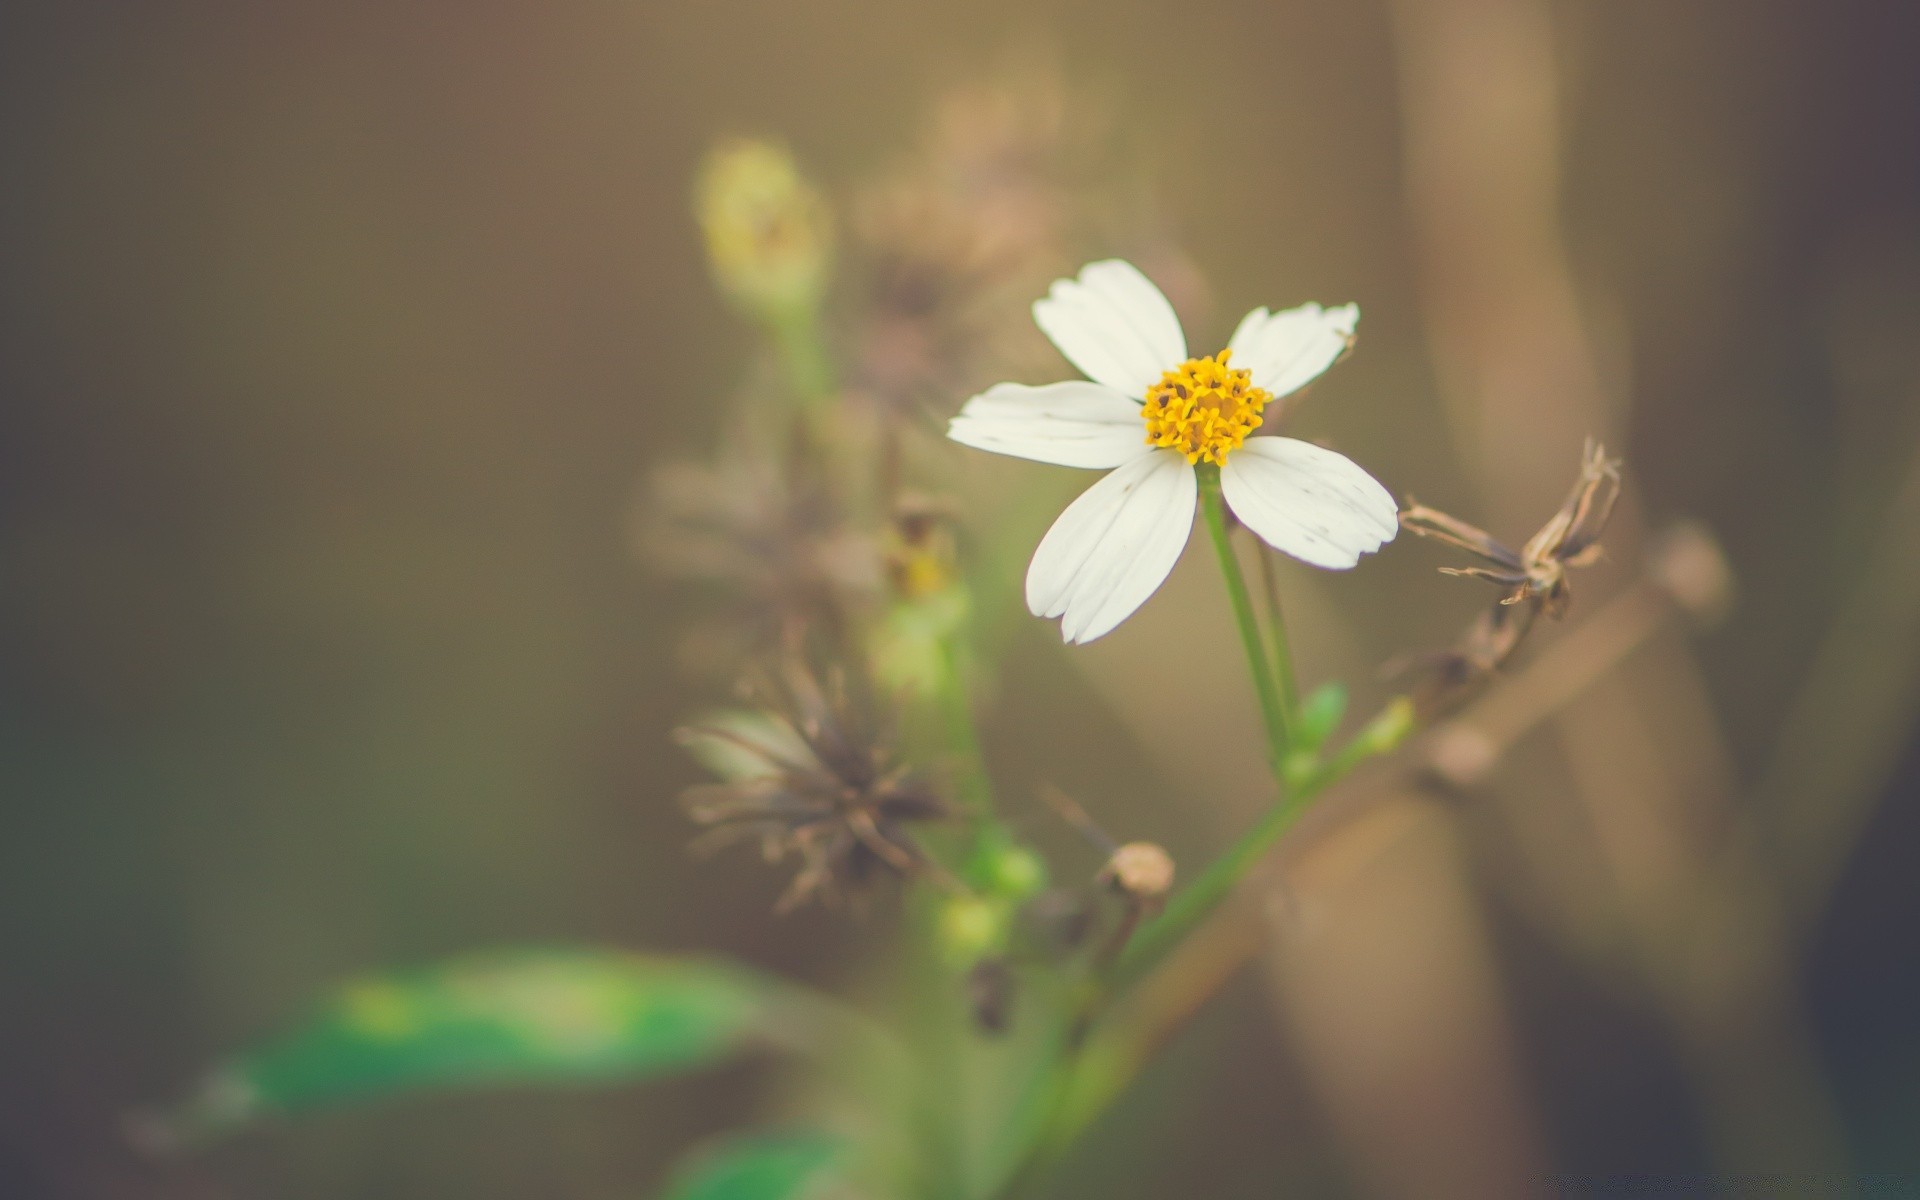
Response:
column 762, row 1166
column 545, row 1016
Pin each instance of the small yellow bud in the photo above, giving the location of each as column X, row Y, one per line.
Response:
column 769, row 233
column 1386, row 731
column 971, row 928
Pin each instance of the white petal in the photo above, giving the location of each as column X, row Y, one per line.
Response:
column 1288, row 350
column 1308, row 501
column 1114, row 325
column 1113, row 546
column 1074, row 424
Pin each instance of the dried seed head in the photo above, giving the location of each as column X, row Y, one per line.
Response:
column 955, row 238
column 1538, row 571
column 770, row 537
column 817, row 784
column 1535, row 579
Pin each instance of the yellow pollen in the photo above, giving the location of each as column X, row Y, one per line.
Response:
column 1203, row 408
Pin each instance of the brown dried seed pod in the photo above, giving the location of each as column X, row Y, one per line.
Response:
column 1140, row 871
column 823, row 788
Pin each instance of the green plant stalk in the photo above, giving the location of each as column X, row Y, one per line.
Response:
column 963, row 734
column 1273, row 711
column 803, row 354
column 1056, row 1080
column 1057, row 1115
column 1277, row 630
column 1195, row 902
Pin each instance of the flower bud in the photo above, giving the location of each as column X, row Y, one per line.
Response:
column 1320, row 716
column 1386, row 731
column 1140, row 871
column 970, row 928
column 1015, row 871
column 769, row 233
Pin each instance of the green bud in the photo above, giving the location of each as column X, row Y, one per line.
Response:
column 1299, row 767
column 1320, row 716
column 970, row 928
column 1386, row 731
column 1015, row 872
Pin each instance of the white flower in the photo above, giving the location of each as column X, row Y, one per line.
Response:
column 1151, row 415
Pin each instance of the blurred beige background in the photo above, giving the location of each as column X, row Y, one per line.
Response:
column 335, row 339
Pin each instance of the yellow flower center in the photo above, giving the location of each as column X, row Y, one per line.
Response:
column 1203, row 408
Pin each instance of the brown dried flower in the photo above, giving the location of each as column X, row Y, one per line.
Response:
column 954, row 238
column 1569, row 539
column 809, row 776
column 1536, row 578
column 771, row 537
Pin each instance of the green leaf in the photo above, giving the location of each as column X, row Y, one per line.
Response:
column 535, row 1016
column 761, row 1166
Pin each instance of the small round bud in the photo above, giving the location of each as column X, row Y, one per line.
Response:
column 1140, row 870
column 1015, row 871
column 1687, row 564
column 971, row 928
column 769, row 233
column 1461, row 755
column 1385, row 732
column 1320, row 715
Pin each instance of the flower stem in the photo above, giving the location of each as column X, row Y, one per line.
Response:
column 803, row 353
column 1194, row 903
column 1066, row 1104
column 1273, row 710
column 1277, row 630
column 963, row 735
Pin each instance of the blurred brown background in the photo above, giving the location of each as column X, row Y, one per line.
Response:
column 336, row 337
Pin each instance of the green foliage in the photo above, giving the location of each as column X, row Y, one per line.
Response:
column 528, row 1016
column 761, row 1166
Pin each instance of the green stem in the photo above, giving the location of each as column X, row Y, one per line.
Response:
column 803, row 352
column 963, row 735
column 1277, row 629
column 1052, row 1125
column 1272, row 709
column 1194, row 903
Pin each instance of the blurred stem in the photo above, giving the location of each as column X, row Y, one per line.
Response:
column 1273, row 712
column 803, row 353
column 1277, row 630
column 963, row 735
column 1842, row 737
column 1151, row 1016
